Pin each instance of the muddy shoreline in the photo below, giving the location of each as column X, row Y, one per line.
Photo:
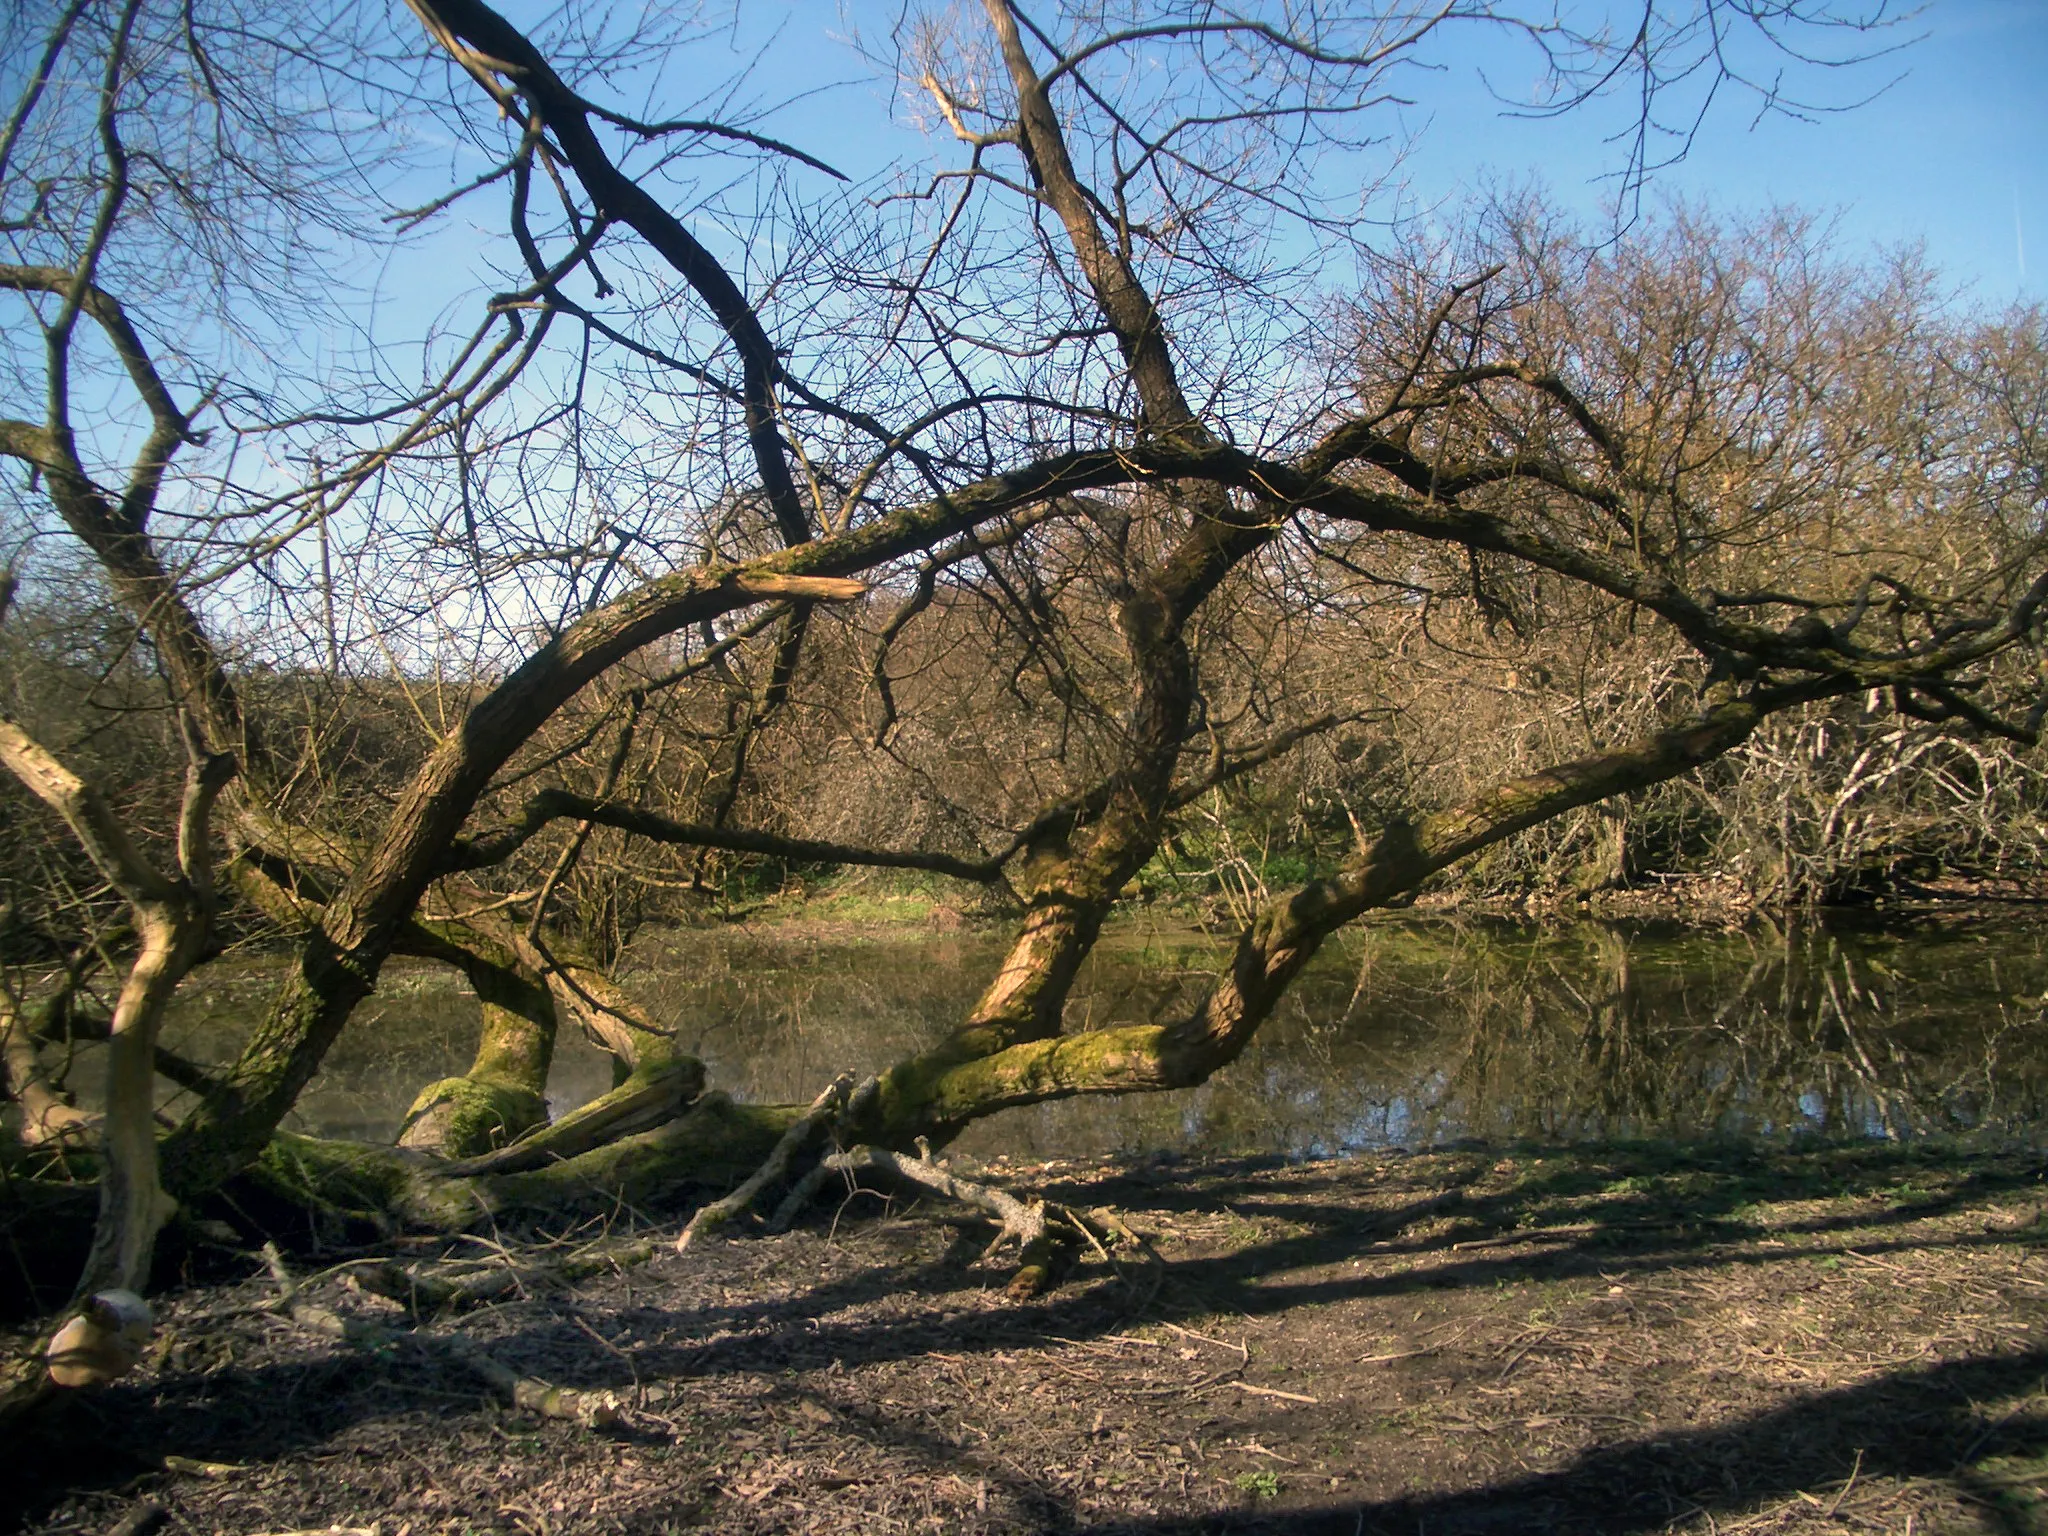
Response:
column 1614, row 1339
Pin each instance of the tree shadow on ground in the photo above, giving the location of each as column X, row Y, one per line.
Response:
column 1634, row 1213
column 1920, row 1424
column 1907, row 1424
column 812, row 1328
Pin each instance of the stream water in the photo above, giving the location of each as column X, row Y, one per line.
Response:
column 1406, row 1033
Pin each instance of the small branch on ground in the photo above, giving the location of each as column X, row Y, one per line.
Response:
column 1044, row 1232
column 145, row 1519
column 424, row 1290
column 593, row 1410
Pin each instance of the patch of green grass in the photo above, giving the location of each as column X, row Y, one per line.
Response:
column 1634, row 1184
column 1260, row 1485
column 860, row 906
column 1241, row 1232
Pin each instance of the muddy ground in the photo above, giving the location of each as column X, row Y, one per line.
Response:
column 1846, row 1339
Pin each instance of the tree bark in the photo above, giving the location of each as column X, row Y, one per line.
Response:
column 503, row 1095
column 171, row 917
column 708, row 1143
column 46, row 1115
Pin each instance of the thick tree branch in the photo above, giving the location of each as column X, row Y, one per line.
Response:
column 486, row 44
column 170, row 427
column 944, row 1090
column 553, row 805
column 1126, row 305
column 46, row 1115
column 85, row 811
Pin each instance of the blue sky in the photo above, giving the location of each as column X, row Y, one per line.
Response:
column 1950, row 153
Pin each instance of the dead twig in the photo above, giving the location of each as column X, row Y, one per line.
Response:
column 1243, row 1350
column 1291, row 1397
column 593, row 1410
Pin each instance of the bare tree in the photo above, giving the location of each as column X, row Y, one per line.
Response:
column 716, row 446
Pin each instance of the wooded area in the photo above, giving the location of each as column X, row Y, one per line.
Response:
column 1112, row 511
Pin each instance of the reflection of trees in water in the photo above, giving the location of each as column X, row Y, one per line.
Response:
column 1406, row 1034
column 1423, row 1033
column 1873, row 1048
column 1600, row 1032
column 772, row 1015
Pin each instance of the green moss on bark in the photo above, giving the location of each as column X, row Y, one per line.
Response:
column 712, row 1145
column 372, row 1183
column 468, row 1116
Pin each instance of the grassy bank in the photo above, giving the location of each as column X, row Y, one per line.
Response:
column 885, row 899
column 1612, row 1339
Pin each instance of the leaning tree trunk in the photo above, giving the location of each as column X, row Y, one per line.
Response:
column 503, row 1095
column 938, row 1094
column 110, row 1324
column 171, row 914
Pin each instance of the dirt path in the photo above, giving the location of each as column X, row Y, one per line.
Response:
column 1612, row 1341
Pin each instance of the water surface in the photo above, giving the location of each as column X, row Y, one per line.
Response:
column 1407, row 1033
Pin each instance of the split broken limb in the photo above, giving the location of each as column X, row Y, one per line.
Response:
column 1045, row 1233
column 838, row 1097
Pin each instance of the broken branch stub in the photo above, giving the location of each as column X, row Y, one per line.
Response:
column 822, row 589
column 105, row 1340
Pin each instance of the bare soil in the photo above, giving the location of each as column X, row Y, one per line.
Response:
column 1613, row 1340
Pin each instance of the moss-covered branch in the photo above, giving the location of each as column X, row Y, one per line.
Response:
column 942, row 1091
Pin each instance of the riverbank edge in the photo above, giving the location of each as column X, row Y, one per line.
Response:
column 1708, row 902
